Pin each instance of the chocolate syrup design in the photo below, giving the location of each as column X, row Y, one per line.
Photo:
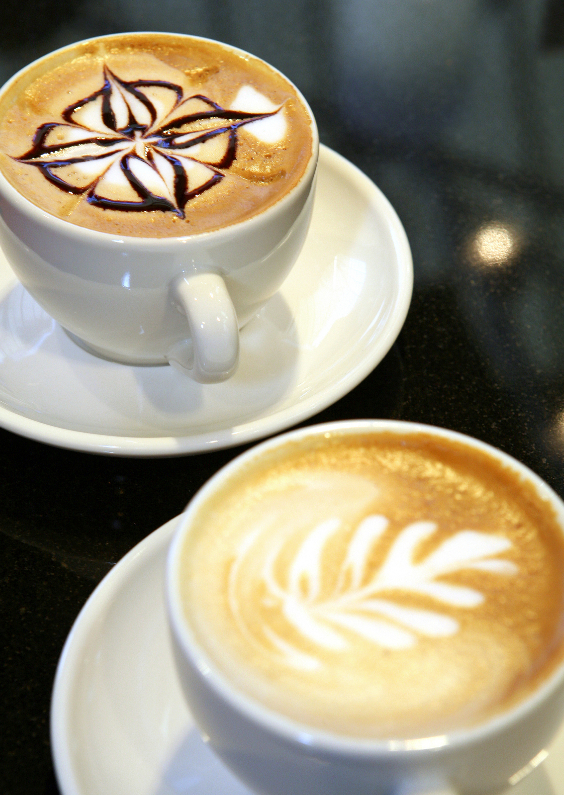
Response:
column 139, row 145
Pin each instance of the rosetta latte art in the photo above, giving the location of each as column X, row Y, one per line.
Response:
column 355, row 607
column 142, row 145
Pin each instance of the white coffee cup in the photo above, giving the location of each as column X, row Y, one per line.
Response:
column 149, row 301
column 276, row 754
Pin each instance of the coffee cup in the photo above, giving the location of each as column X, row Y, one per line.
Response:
column 155, row 191
column 372, row 607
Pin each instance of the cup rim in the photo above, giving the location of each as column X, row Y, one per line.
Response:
column 93, row 235
column 292, row 730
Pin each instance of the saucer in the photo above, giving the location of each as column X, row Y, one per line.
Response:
column 119, row 722
column 334, row 319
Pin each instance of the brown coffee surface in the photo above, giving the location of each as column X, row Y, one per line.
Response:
column 183, row 162
column 379, row 586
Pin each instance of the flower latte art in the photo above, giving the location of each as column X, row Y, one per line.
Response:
column 140, row 145
column 376, row 587
column 153, row 134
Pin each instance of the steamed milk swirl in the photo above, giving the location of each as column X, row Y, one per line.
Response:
column 153, row 135
column 378, row 588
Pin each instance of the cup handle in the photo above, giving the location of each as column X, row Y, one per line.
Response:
column 212, row 353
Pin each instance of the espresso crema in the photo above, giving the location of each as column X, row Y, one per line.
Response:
column 153, row 135
column 378, row 586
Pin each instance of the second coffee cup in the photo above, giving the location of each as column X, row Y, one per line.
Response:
column 155, row 191
column 372, row 608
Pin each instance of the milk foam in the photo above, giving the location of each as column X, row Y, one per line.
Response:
column 160, row 129
column 270, row 129
column 368, row 595
column 290, row 568
column 133, row 146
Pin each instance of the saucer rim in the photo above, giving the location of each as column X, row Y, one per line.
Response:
column 272, row 423
column 67, row 666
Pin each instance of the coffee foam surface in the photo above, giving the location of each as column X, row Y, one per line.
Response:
column 153, row 135
column 375, row 588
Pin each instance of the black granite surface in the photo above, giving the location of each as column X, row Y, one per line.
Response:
column 456, row 111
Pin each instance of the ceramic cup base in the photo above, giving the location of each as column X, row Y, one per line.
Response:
column 111, row 357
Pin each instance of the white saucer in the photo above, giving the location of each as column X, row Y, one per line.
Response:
column 332, row 322
column 119, row 723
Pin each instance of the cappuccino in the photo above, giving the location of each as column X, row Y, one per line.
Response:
column 153, row 135
column 377, row 585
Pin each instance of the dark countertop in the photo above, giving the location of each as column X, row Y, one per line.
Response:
column 456, row 111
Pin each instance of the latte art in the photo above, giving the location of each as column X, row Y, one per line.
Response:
column 353, row 602
column 141, row 145
column 378, row 586
column 153, row 135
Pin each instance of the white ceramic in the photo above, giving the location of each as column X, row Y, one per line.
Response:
column 276, row 755
column 120, row 296
column 331, row 323
column 119, row 722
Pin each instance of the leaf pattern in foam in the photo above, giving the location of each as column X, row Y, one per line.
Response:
column 355, row 608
